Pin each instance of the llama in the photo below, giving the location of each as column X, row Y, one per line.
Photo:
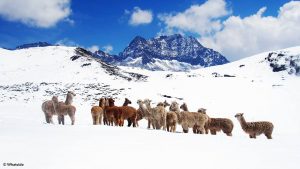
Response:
column 62, row 109
column 97, row 112
column 145, row 112
column 192, row 120
column 184, row 107
column 217, row 124
column 48, row 110
column 255, row 128
column 158, row 115
column 128, row 113
column 172, row 118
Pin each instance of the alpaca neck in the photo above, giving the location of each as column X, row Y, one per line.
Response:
column 243, row 122
column 178, row 116
column 69, row 99
column 125, row 104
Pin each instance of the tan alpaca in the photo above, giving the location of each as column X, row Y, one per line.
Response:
column 48, row 110
column 255, row 128
column 192, row 120
column 145, row 113
column 97, row 112
column 217, row 124
column 172, row 118
column 158, row 114
column 62, row 109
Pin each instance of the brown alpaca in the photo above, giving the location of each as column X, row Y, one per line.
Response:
column 217, row 124
column 113, row 113
column 97, row 112
column 105, row 122
column 172, row 118
column 62, row 109
column 128, row 113
column 158, row 114
column 255, row 128
column 48, row 110
column 184, row 107
column 145, row 113
column 192, row 120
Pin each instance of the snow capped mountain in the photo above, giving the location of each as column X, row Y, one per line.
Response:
column 161, row 52
column 37, row 44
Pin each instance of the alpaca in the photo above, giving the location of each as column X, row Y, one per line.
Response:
column 97, row 112
column 255, row 128
column 172, row 118
column 145, row 113
column 192, row 120
column 106, row 104
column 184, row 107
column 48, row 110
column 217, row 124
column 113, row 113
column 62, row 109
column 128, row 113
column 158, row 114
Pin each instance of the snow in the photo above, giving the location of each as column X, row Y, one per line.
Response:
column 256, row 90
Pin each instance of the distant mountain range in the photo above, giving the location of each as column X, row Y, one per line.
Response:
column 174, row 53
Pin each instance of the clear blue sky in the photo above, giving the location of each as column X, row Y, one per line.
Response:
column 106, row 22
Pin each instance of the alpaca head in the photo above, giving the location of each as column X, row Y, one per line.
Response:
column 55, row 99
column 111, row 102
column 202, row 110
column 239, row 116
column 102, row 102
column 184, row 107
column 166, row 103
column 72, row 93
column 140, row 102
column 147, row 101
column 127, row 101
column 174, row 106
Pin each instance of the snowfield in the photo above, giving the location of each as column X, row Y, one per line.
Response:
column 30, row 76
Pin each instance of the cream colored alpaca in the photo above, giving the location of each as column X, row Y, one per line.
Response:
column 158, row 114
column 62, row 109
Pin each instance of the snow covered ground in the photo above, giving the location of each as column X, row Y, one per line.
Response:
column 30, row 76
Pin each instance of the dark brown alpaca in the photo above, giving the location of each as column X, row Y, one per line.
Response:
column 105, row 122
column 113, row 113
column 255, row 128
column 217, row 124
column 97, row 112
column 129, row 113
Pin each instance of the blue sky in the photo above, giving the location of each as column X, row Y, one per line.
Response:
column 108, row 24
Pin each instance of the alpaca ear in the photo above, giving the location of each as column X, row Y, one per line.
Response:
column 242, row 114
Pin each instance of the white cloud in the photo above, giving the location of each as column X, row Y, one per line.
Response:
column 202, row 19
column 237, row 37
column 66, row 42
column 93, row 48
column 242, row 37
column 108, row 48
column 140, row 17
column 37, row 13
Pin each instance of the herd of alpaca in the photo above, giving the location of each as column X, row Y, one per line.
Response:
column 158, row 117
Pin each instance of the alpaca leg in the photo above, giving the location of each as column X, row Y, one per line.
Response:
column 73, row 119
column 213, row 132
column 254, row 136
column 269, row 136
column 250, row 136
column 47, row 118
column 100, row 119
column 228, row 134
column 51, row 120
column 129, row 122
column 63, row 119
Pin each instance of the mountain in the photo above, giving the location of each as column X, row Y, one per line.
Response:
column 174, row 52
column 37, row 44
